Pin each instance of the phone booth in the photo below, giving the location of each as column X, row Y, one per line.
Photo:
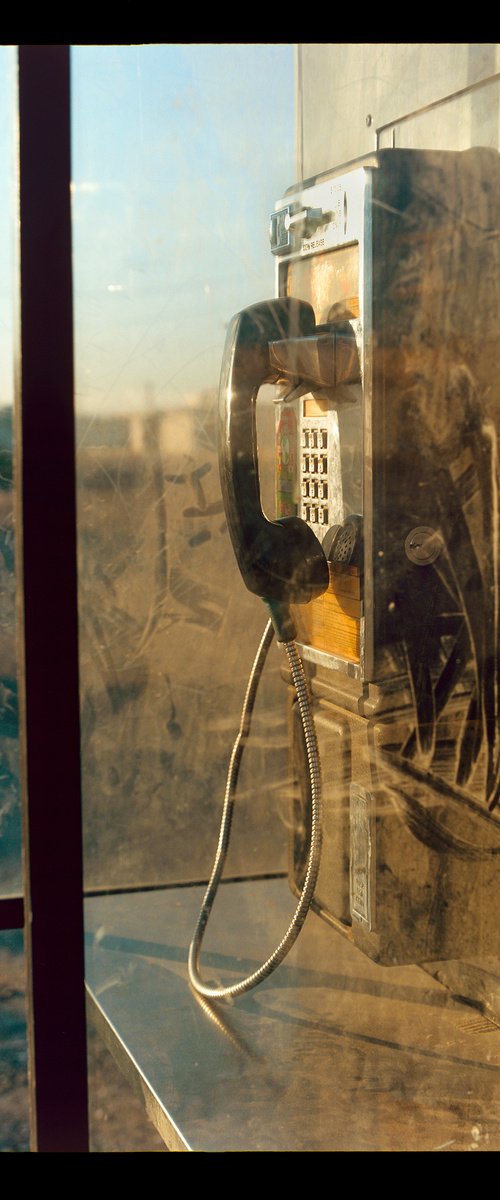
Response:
column 289, row 587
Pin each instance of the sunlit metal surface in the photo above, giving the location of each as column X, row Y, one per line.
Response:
column 331, row 1053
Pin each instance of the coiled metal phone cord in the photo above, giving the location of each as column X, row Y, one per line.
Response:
column 299, row 916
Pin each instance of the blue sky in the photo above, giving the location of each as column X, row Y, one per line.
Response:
column 179, row 153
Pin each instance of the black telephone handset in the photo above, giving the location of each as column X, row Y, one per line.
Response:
column 282, row 561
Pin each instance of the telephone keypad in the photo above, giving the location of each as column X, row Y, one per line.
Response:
column 314, row 473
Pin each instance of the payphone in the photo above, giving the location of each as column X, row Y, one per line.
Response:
column 382, row 560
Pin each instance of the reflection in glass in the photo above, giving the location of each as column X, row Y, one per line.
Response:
column 10, row 819
column 14, row 1122
column 176, row 169
column 404, row 677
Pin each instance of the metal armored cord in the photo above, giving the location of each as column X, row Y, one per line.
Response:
column 300, row 685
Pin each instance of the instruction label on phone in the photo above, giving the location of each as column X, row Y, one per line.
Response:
column 361, row 808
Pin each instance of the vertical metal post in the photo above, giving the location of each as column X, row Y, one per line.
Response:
column 48, row 574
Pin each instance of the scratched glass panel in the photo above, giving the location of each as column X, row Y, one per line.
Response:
column 379, row 1031
column 179, row 152
column 10, row 818
column 14, row 1107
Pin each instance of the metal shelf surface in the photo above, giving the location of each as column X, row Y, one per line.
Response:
column 331, row 1053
